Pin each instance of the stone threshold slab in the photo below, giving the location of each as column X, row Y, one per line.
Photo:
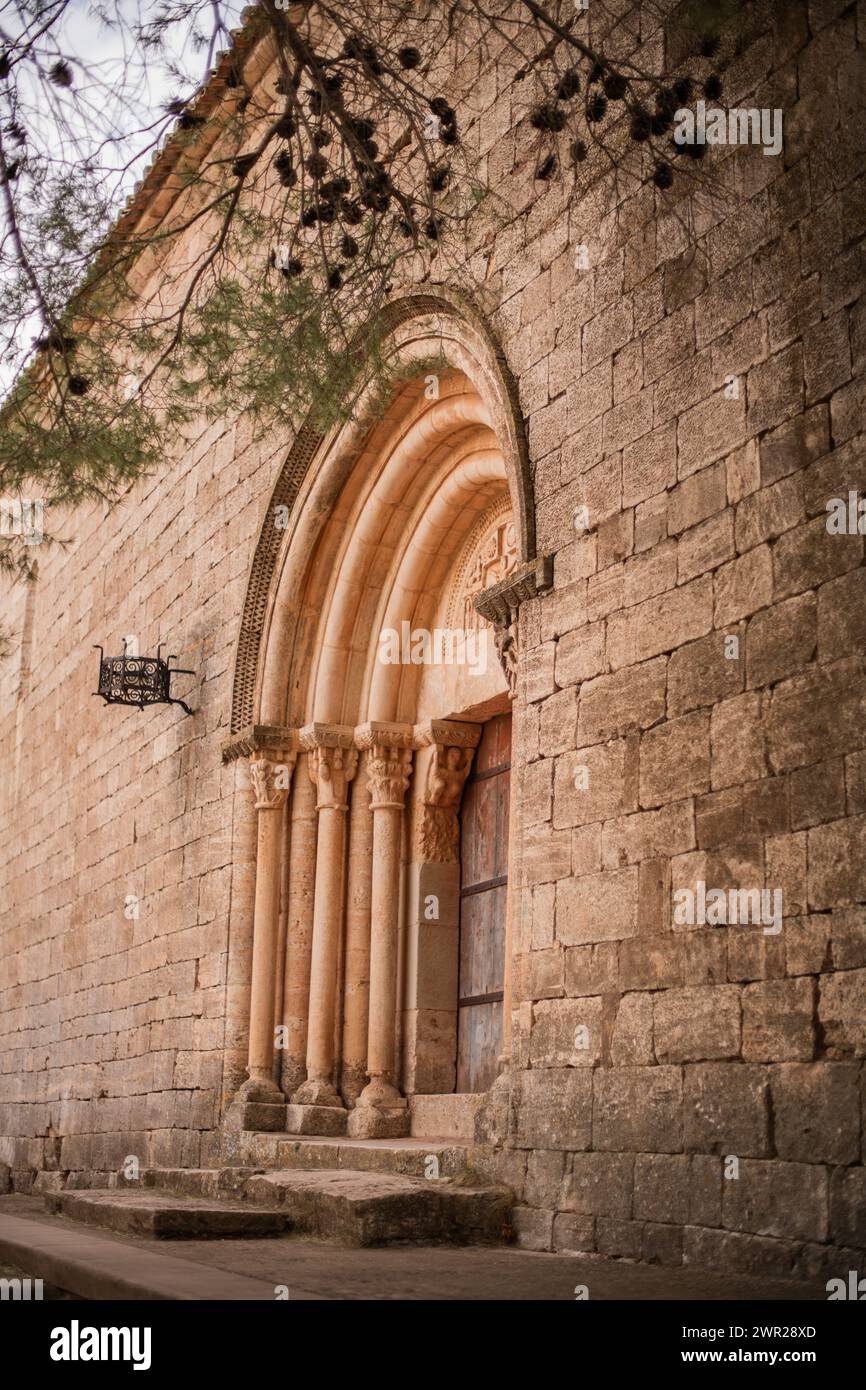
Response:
column 160, row 1216
column 379, row 1145
column 409, row 1156
column 99, row 1267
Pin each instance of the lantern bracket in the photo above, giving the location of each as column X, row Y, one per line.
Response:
column 139, row 680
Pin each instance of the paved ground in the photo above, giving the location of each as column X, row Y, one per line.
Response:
column 107, row 1265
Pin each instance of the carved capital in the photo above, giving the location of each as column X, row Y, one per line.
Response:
column 448, row 732
column 390, row 760
column 378, row 733
column 437, row 829
column 332, row 769
column 447, row 774
column 271, row 780
column 272, row 739
column 389, row 770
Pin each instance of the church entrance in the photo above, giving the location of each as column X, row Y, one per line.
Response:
column 373, row 707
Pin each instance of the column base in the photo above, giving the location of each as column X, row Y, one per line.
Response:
column 381, row 1112
column 294, row 1071
column 382, row 1093
column 369, row 1122
column 315, row 1092
column 324, row 1120
column 352, row 1082
column 258, row 1105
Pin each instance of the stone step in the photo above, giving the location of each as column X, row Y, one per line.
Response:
column 348, row 1206
column 420, row 1158
column 163, row 1216
column 381, row 1208
column 448, row 1117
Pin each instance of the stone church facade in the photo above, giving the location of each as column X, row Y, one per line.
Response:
column 372, row 898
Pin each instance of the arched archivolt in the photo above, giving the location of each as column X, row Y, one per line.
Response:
column 345, row 531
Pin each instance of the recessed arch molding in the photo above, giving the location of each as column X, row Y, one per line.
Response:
column 461, row 324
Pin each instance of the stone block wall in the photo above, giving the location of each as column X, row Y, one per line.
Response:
column 694, row 696
column 121, row 838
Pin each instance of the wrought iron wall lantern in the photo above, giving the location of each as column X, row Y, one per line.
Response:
column 138, row 680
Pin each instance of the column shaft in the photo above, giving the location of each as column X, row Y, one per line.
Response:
column 331, row 764
column 240, row 944
column 265, row 939
column 326, row 935
column 381, row 1110
column 259, row 1102
column 299, row 930
column 356, row 987
column 387, row 845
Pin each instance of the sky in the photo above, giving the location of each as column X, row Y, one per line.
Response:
column 96, row 122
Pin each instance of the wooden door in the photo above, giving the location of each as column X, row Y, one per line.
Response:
column 483, row 896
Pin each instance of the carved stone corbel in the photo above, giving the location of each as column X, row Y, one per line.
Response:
column 500, row 605
column 437, row 832
column 505, row 640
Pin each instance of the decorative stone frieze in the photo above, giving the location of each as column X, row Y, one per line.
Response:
column 275, row 739
column 492, row 556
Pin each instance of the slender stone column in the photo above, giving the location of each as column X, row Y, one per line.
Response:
column 260, row 1103
column 299, row 927
column 381, row 1110
column 356, row 985
column 332, row 765
column 282, row 942
column 240, row 942
column 271, row 788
